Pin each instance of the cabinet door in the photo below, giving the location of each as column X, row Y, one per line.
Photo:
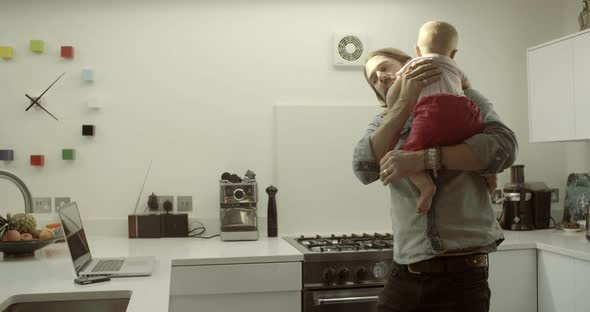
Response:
column 581, row 46
column 513, row 280
column 582, row 285
column 556, row 282
column 551, row 103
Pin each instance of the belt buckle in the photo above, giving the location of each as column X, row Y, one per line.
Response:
column 412, row 271
column 477, row 261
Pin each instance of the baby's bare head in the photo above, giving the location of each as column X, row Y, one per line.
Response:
column 437, row 37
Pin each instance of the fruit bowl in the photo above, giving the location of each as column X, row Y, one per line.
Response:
column 24, row 248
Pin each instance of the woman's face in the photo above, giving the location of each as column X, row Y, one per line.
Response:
column 381, row 72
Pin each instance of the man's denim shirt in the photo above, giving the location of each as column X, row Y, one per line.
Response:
column 461, row 218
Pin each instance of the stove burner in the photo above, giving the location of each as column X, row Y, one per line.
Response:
column 353, row 242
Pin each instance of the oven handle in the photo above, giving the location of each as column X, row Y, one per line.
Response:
column 322, row 301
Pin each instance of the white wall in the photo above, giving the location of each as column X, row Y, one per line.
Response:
column 191, row 85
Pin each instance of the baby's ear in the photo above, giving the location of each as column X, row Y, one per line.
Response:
column 453, row 53
column 418, row 52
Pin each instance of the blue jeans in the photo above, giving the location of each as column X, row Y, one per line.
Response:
column 441, row 292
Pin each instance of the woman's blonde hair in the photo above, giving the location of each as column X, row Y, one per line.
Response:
column 393, row 53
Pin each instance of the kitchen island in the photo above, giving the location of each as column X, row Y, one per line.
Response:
column 51, row 269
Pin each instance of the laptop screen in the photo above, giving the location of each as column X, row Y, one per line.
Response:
column 75, row 236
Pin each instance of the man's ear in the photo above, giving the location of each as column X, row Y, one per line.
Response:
column 418, row 52
column 453, row 53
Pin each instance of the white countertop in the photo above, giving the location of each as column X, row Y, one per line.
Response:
column 51, row 270
column 568, row 244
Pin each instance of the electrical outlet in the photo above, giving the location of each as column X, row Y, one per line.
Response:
column 184, row 203
column 162, row 199
column 41, row 204
column 555, row 195
column 60, row 201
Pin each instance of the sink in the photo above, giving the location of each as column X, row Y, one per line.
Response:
column 99, row 301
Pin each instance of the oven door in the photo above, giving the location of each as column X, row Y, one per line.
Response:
column 341, row 300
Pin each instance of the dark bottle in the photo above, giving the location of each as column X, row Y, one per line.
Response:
column 272, row 226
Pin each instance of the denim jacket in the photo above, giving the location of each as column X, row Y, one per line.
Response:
column 461, row 218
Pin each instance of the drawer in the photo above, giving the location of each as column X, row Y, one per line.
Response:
column 235, row 278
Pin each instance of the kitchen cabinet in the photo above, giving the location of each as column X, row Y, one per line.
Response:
column 513, row 280
column 251, row 287
column 563, row 283
column 556, row 282
column 558, row 76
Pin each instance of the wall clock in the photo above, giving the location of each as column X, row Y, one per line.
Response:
column 36, row 100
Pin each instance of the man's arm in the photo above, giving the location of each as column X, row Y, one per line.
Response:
column 388, row 133
column 489, row 152
column 496, row 147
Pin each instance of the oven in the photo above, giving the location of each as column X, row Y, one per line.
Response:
column 343, row 273
column 341, row 300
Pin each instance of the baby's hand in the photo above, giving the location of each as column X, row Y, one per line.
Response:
column 492, row 183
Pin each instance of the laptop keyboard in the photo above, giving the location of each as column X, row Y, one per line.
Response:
column 108, row 265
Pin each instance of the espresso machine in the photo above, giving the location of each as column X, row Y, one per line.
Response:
column 238, row 198
column 525, row 205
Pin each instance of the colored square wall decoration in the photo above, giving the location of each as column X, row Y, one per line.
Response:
column 88, row 130
column 67, row 52
column 37, row 160
column 68, row 154
column 87, row 74
column 37, row 46
column 6, row 52
column 7, row 155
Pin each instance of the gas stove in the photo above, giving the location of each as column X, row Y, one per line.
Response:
column 336, row 261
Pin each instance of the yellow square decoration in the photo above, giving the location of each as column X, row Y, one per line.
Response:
column 37, row 46
column 6, row 52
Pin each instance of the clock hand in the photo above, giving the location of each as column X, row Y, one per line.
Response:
column 40, row 96
column 43, row 108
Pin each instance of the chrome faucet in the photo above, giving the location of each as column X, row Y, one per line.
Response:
column 22, row 187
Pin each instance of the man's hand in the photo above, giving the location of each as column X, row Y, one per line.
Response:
column 465, row 83
column 414, row 79
column 492, row 183
column 398, row 164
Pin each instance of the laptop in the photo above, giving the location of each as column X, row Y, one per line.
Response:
column 84, row 264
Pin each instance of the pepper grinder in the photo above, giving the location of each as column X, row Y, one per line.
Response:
column 584, row 16
column 272, row 226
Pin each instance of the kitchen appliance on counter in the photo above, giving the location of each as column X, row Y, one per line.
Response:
column 525, row 205
column 345, row 272
column 238, row 200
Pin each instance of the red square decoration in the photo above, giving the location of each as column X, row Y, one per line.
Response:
column 37, row 160
column 67, row 52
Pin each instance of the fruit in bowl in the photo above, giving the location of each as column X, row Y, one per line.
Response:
column 19, row 235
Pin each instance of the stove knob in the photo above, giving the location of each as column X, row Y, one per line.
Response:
column 329, row 274
column 362, row 273
column 343, row 274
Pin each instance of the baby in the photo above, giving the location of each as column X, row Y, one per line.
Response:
column 442, row 115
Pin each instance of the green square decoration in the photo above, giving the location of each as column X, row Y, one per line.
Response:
column 68, row 154
column 37, row 46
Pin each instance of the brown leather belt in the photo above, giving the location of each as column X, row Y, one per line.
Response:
column 447, row 264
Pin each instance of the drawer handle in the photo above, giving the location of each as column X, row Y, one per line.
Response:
column 345, row 300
